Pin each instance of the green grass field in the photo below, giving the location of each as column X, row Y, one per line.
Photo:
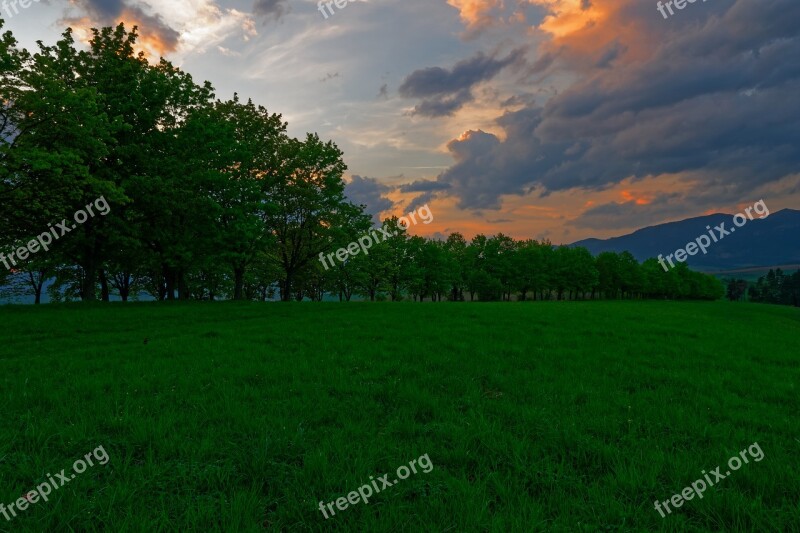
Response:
column 536, row 416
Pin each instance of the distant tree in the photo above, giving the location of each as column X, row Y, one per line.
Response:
column 400, row 267
column 654, row 279
column 482, row 279
column 456, row 249
column 561, row 273
column 777, row 287
column 585, row 275
column 609, row 274
column 630, row 275
column 736, row 289
column 437, row 269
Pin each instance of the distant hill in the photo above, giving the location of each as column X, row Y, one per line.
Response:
column 772, row 241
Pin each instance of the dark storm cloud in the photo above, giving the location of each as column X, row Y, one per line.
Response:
column 611, row 53
column 424, row 186
column 369, row 192
column 446, row 91
column 420, row 201
column 104, row 8
column 271, row 9
column 444, row 106
column 716, row 100
column 542, row 63
column 519, row 99
column 436, row 81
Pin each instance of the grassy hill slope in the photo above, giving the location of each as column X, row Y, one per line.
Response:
column 536, row 416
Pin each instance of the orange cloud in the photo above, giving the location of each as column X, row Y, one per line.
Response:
column 631, row 197
column 178, row 27
column 476, row 14
column 585, row 31
column 152, row 42
column 531, row 216
column 567, row 17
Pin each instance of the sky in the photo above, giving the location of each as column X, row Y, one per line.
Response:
column 544, row 119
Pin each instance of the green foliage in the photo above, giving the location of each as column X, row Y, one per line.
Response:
column 777, row 287
column 209, row 199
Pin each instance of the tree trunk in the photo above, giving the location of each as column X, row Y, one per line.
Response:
column 286, row 288
column 89, row 277
column 238, row 283
column 104, row 293
column 162, row 285
column 37, row 286
column 169, row 283
column 183, row 288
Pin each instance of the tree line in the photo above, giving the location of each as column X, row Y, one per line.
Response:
column 500, row 268
column 212, row 199
column 776, row 287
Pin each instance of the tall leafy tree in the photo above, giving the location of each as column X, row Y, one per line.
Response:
column 242, row 170
column 308, row 210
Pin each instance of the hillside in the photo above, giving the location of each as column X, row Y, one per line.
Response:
column 772, row 241
column 234, row 417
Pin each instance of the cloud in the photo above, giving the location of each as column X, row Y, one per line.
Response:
column 228, row 52
column 526, row 99
column 632, row 214
column 612, row 52
column 565, row 17
column 436, row 81
column 710, row 101
column 175, row 27
column 420, row 201
column 424, row 186
column 271, row 9
column 155, row 33
column 477, row 15
column 443, row 106
column 446, row 91
column 384, row 92
column 371, row 193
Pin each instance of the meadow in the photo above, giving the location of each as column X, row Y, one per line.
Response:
column 536, row 416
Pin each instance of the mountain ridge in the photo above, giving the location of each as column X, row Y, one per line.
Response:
column 761, row 242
